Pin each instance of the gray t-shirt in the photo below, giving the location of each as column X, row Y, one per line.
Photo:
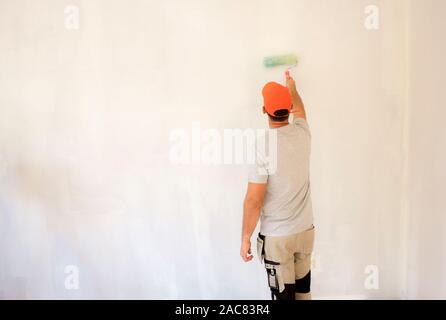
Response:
column 287, row 207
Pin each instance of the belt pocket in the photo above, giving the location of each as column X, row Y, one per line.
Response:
column 260, row 252
column 275, row 280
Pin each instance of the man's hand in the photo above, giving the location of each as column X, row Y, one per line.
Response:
column 245, row 250
column 290, row 83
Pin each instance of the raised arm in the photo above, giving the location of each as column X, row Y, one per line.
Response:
column 298, row 106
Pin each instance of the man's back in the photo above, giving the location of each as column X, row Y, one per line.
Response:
column 287, row 207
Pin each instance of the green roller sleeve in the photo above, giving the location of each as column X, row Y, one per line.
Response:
column 286, row 60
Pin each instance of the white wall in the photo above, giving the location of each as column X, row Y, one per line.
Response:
column 85, row 120
column 427, row 151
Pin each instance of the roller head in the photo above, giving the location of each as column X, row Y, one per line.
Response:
column 276, row 61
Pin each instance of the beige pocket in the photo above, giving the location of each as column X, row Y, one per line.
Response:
column 309, row 241
column 260, row 244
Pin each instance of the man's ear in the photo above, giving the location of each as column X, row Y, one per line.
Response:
column 264, row 110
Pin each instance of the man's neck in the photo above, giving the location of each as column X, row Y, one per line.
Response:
column 277, row 125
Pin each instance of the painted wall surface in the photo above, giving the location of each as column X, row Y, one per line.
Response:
column 87, row 187
column 427, row 151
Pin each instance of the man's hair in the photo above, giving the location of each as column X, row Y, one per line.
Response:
column 280, row 115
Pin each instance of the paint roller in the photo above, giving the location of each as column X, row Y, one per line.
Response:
column 289, row 61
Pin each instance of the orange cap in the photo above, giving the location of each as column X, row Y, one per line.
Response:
column 276, row 97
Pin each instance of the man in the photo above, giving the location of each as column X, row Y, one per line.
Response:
column 282, row 199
